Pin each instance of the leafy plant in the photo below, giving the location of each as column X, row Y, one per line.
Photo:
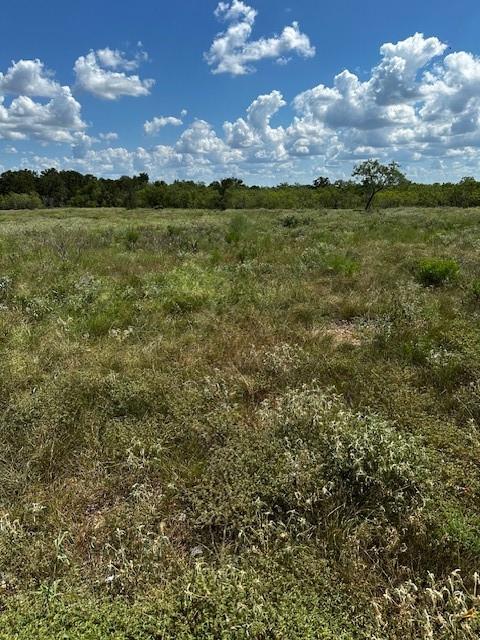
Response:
column 434, row 272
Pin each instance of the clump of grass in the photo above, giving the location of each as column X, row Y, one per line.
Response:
column 190, row 288
column 442, row 609
column 434, row 272
column 310, row 457
column 291, row 221
column 5, row 287
column 131, row 238
column 475, row 290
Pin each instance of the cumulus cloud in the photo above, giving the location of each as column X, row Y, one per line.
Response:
column 115, row 59
column 104, row 73
column 151, row 127
column 233, row 52
column 54, row 121
column 28, row 78
column 201, row 142
column 411, row 102
column 110, row 136
column 254, row 135
column 419, row 105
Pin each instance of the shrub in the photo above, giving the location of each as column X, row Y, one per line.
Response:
column 309, row 456
column 342, row 265
column 20, row 201
column 262, row 599
column 291, row 221
column 237, row 229
column 132, row 236
column 475, row 290
column 365, row 460
column 189, row 288
column 433, row 272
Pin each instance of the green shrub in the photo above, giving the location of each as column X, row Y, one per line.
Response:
column 343, row 265
column 433, row 272
column 475, row 290
column 190, row 288
column 310, row 456
column 132, row 236
column 291, row 221
column 21, row 201
column 237, row 601
column 237, row 229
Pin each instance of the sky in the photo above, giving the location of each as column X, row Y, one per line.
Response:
column 264, row 90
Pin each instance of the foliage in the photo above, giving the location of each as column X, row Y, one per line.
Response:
column 376, row 177
column 433, row 272
column 237, row 424
column 25, row 189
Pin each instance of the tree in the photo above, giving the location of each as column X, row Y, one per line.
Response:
column 224, row 187
column 321, row 182
column 375, row 177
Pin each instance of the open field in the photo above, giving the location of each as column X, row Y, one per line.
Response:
column 239, row 425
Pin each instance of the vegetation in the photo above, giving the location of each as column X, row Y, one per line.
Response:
column 220, row 424
column 375, row 177
column 383, row 185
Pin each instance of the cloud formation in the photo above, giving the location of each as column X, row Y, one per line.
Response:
column 151, row 127
column 24, row 118
column 28, row 78
column 419, row 105
column 104, row 73
column 233, row 52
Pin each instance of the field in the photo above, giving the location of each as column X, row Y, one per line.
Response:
column 239, row 425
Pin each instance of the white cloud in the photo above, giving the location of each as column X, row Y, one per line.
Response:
column 55, row 121
column 417, row 105
column 94, row 74
column 151, row 127
column 28, row 78
column 115, row 59
column 202, row 143
column 111, row 136
column 254, row 132
column 82, row 144
column 233, row 52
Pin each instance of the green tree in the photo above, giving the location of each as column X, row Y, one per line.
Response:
column 375, row 177
column 321, row 182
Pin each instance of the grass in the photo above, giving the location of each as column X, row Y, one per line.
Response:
column 224, row 425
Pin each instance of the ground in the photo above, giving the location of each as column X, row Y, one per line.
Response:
column 239, row 425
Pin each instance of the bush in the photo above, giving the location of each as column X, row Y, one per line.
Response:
column 475, row 290
column 310, row 456
column 434, row 272
column 291, row 221
column 20, row 201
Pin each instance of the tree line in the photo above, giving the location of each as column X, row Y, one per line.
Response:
column 371, row 183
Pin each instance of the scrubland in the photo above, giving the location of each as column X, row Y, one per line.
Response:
column 239, row 425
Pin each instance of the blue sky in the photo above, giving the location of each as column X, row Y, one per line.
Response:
column 268, row 90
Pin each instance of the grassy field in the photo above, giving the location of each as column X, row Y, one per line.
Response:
column 221, row 425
